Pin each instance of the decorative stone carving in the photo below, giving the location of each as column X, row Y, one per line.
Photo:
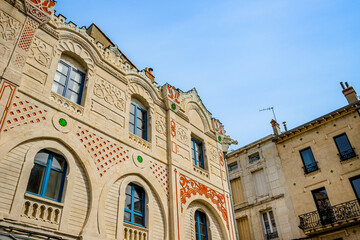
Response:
column 66, row 103
column 182, row 135
column 192, row 187
column 213, row 154
column 9, row 27
column 137, row 89
column 218, row 127
column 109, row 93
column 173, row 128
column 42, row 10
column 7, row 92
column 173, row 94
column 161, row 174
column 24, row 112
column 160, row 124
column 41, row 52
column 104, row 152
column 69, row 45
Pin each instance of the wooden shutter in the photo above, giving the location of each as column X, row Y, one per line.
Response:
column 237, row 190
column 260, row 183
column 243, row 228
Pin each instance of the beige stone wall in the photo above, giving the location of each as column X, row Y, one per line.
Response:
column 276, row 198
column 333, row 174
column 100, row 151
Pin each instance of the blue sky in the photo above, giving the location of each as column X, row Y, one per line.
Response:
column 240, row 55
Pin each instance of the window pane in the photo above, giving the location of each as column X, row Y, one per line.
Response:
column 62, row 68
column 132, row 119
column 138, row 219
column 60, row 78
column 140, row 114
column 128, row 189
column 41, row 157
column 138, row 204
column 36, row 179
column 132, row 109
column 343, row 143
column 58, row 163
column 76, row 76
column 72, row 96
column 57, row 88
column 127, row 216
column 128, row 202
column 74, row 86
column 140, row 132
column 203, row 238
column 54, row 183
column 307, row 156
column 356, row 185
column 138, row 191
column 131, row 128
column 202, row 229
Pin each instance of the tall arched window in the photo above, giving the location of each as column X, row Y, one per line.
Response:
column 69, row 80
column 47, row 176
column 201, row 226
column 134, row 211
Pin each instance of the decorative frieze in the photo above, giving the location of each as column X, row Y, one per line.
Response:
column 110, row 94
column 160, row 124
column 41, row 52
column 9, row 28
column 66, row 103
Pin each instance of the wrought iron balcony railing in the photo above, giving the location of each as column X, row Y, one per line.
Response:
column 272, row 235
column 345, row 155
column 311, row 167
column 338, row 214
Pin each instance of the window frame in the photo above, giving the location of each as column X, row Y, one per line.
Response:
column 132, row 210
column 352, row 154
column 306, row 170
column 230, row 167
column 66, row 88
column 198, row 224
column 357, row 195
column 135, row 120
column 272, row 234
column 252, row 156
column 195, row 142
column 45, row 180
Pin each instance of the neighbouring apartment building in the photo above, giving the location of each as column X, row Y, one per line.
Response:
column 261, row 200
column 322, row 170
column 303, row 183
column 93, row 148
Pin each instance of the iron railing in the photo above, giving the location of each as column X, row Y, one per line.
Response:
column 311, row 167
column 272, row 235
column 345, row 155
column 338, row 214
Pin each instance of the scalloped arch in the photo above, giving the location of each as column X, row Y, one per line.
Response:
column 195, row 106
column 76, row 48
column 135, row 88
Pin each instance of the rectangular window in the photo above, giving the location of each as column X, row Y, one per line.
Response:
column 355, row 183
column 138, row 121
column 68, row 82
column 237, row 191
column 200, row 226
column 310, row 165
column 344, row 147
column 254, row 157
column 260, row 183
column 233, row 167
column 323, row 206
column 197, row 153
column 270, row 229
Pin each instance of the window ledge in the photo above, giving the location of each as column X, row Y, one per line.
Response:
column 66, row 103
column 350, row 159
column 312, row 173
column 134, row 230
column 43, row 200
column 139, row 141
column 201, row 171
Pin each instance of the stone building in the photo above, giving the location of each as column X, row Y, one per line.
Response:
column 93, row 148
column 322, row 170
column 261, row 199
column 303, row 183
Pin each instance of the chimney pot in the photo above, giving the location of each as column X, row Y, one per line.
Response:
column 349, row 93
column 276, row 127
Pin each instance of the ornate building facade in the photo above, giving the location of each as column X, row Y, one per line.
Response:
column 93, row 148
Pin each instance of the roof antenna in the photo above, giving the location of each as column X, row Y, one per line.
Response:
column 268, row 109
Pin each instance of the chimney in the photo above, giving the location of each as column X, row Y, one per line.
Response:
column 276, row 127
column 148, row 72
column 349, row 93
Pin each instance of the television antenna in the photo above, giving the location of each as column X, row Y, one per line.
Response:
column 268, row 109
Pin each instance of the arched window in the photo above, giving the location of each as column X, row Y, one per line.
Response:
column 47, row 175
column 201, row 226
column 69, row 81
column 134, row 211
column 138, row 119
